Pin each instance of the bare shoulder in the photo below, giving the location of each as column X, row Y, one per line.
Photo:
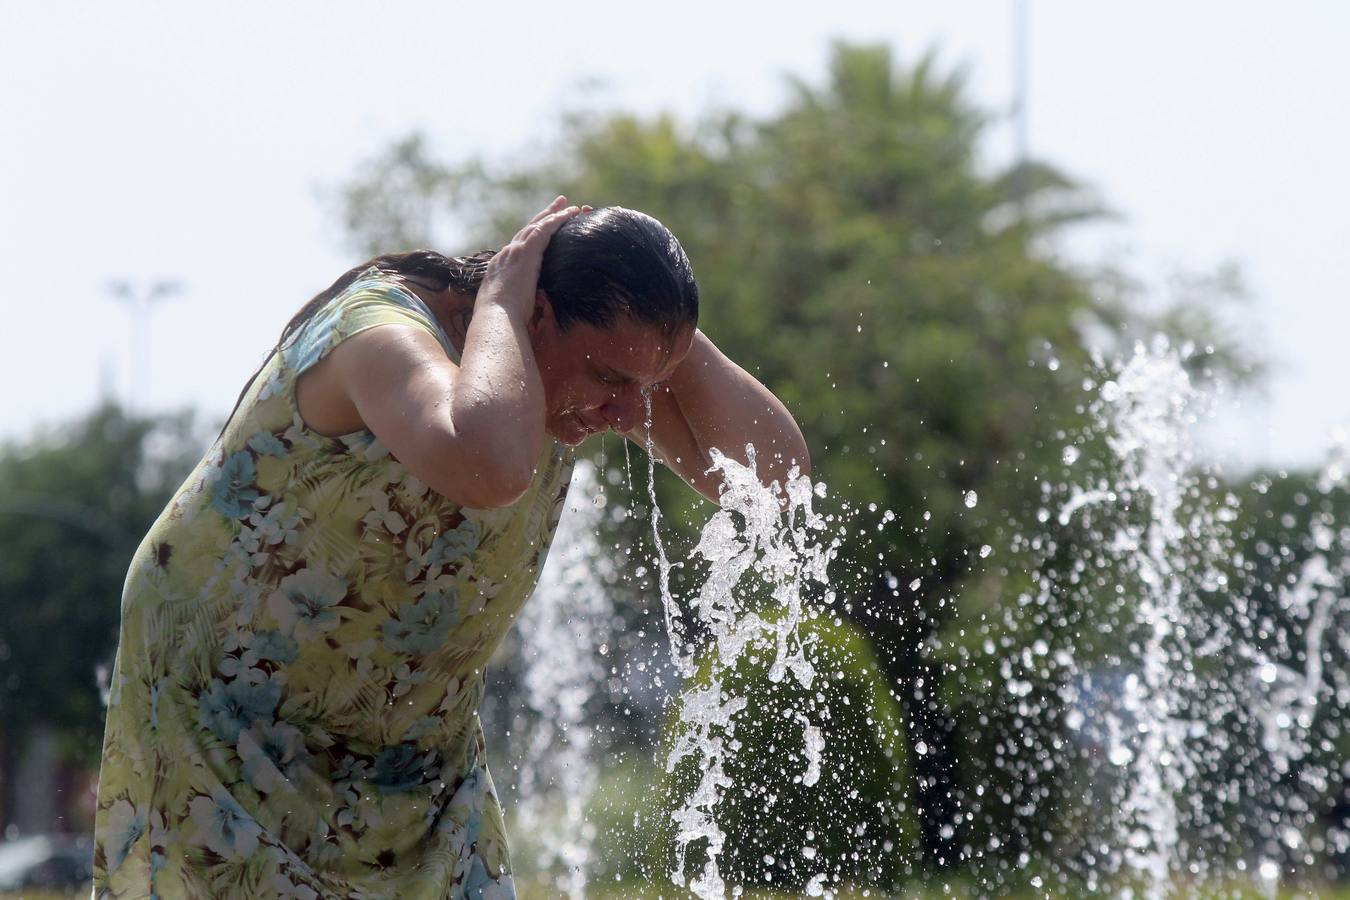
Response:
column 371, row 369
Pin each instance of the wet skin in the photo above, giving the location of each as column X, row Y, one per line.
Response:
column 595, row 378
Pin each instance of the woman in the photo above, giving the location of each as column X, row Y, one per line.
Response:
column 304, row 631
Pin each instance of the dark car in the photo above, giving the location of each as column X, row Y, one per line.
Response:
column 49, row 861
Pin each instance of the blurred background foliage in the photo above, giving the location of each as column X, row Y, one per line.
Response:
column 74, row 504
column 916, row 313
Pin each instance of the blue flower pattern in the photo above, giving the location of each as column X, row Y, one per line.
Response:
column 233, row 493
column 398, row 768
column 305, row 603
column 129, row 825
column 422, row 627
column 273, row 646
column 225, row 709
column 265, row 443
column 223, row 825
column 455, row 545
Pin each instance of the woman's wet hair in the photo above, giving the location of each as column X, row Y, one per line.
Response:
column 600, row 266
column 614, row 262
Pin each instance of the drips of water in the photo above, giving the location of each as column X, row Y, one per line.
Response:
column 627, row 462
column 681, row 654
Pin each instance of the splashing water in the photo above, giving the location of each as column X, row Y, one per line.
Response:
column 1150, row 404
column 1289, row 698
column 1177, row 692
column 1141, row 526
column 768, row 531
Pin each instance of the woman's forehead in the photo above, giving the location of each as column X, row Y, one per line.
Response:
column 641, row 351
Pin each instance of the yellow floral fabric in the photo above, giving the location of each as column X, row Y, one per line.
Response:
column 294, row 704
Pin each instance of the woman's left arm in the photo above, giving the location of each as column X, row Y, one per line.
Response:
column 712, row 403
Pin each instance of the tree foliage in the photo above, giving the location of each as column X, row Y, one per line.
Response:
column 74, row 504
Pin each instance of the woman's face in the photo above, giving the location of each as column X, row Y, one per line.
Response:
column 594, row 378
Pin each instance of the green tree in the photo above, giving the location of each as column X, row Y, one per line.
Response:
column 74, row 504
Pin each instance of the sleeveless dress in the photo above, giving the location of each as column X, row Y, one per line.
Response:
column 293, row 709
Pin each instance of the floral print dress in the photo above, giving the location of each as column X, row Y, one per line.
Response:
column 294, row 705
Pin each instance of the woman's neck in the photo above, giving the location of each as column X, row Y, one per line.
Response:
column 452, row 310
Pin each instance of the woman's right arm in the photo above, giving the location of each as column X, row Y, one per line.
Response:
column 471, row 432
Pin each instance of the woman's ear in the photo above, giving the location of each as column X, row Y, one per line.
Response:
column 542, row 313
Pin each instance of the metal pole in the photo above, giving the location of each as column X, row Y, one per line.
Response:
column 1021, row 97
column 140, row 304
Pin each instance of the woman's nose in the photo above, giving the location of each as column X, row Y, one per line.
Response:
column 621, row 412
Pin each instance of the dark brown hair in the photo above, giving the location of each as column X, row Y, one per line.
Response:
column 600, row 265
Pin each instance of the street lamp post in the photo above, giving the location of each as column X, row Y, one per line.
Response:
column 141, row 303
column 1021, row 83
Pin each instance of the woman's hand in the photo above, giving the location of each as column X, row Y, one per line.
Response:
column 512, row 278
column 473, row 432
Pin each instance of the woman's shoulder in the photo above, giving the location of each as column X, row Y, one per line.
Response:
column 374, row 298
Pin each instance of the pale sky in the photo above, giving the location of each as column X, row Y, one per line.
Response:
column 193, row 141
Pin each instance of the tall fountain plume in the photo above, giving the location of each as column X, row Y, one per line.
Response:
column 570, row 617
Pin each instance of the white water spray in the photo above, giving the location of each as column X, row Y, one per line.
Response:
column 1291, row 696
column 1147, row 411
column 771, row 532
